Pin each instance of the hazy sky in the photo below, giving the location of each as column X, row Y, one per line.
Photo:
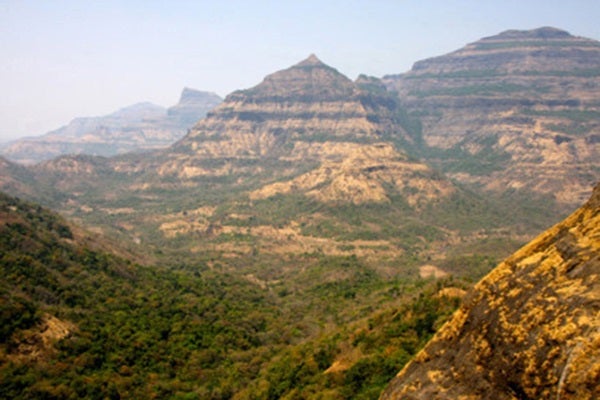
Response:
column 64, row 59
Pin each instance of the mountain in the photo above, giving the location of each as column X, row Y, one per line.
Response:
column 515, row 111
column 528, row 330
column 307, row 162
column 308, row 113
column 140, row 127
column 192, row 106
column 301, row 248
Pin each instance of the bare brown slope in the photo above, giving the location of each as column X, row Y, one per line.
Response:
column 529, row 330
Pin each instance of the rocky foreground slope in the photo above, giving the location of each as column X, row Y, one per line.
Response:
column 529, row 330
column 517, row 110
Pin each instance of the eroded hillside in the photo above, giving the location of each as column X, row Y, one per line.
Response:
column 306, row 162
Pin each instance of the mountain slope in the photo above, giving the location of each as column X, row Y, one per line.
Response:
column 308, row 113
column 528, row 330
column 306, row 162
column 139, row 127
column 518, row 110
column 78, row 321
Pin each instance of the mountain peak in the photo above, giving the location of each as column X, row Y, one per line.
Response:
column 545, row 32
column 189, row 95
column 310, row 78
column 311, row 61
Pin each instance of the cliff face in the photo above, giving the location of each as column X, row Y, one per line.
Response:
column 307, row 102
column 306, row 161
column 529, row 330
column 333, row 136
column 140, row 127
column 517, row 110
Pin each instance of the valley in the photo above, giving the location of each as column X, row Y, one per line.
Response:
column 308, row 236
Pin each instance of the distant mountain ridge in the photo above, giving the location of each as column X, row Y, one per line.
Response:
column 518, row 110
column 139, row 127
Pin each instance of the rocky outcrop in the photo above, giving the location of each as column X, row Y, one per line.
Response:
column 518, row 110
column 140, row 127
column 528, row 330
column 192, row 106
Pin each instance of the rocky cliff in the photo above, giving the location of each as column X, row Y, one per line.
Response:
column 528, row 330
column 308, row 114
column 140, row 127
column 518, row 110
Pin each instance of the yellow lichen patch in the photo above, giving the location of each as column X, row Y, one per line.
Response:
column 435, row 375
column 532, row 259
column 573, row 288
column 514, row 292
column 482, row 348
column 422, row 356
column 452, row 329
column 563, row 331
column 534, row 316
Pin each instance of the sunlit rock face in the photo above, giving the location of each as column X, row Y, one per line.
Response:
column 528, row 330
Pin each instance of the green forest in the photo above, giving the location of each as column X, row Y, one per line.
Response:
column 332, row 328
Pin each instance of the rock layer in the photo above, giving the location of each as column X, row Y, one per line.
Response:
column 518, row 110
column 309, row 113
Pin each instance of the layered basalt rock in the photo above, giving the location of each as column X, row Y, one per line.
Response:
column 518, row 110
column 308, row 114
